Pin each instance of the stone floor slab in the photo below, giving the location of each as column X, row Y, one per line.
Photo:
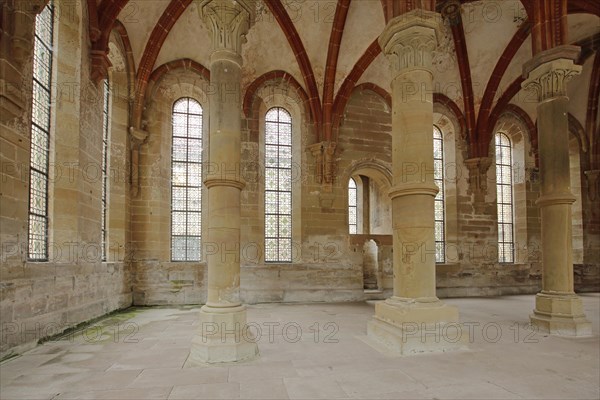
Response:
column 505, row 359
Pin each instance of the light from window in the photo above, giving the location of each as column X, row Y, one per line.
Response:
column 40, row 136
column 278, row 186
column 105, row 131
column 352, row 207
column 438, row 177
column 504, row 198
column 186, row 181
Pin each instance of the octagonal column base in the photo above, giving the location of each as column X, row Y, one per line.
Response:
column 560, row 314
column 407, row 327
column 223, row 337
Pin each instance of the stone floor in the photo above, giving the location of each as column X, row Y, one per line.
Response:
column 309, row 352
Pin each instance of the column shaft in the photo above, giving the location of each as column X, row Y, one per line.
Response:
column 557, row 251
column 224, row 185
column 413, row 200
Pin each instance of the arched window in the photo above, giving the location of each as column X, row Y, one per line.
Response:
column 40, row 135
column 438, row 165
column 105, row 149
column 186, row 181
column 352, row 207
column 504, row 191
column 278, row 185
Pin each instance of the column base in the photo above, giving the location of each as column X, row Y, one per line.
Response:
column 560, row 314
column 411, row 326
column 223, row 337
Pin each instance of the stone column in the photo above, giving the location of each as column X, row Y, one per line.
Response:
column 558, row 309
column 406, row 323
column 222, row 335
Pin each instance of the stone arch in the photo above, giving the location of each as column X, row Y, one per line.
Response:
column 274, row 89
column 276, row 85
column 154, row 200
column 526, row 223
column 374, row 180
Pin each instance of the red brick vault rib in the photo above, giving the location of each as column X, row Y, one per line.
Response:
column 249, row 96
column 591, row 124
column 288, row 28
column 446, row 101
column 337, row 31
column 509, row 93
column 121, row 31
column 157, row 38
column 507, row 56
column 375, row 89
column 107, row 15
column 341, row 99
column 464, row 68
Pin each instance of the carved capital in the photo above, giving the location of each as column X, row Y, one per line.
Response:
column 229, row 22
column 409, row 40
column 478, row 168
column 549, row 72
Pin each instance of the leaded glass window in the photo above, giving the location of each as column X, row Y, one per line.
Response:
column 278, row 185
column 438, row 176
column 105, row 133
column 352, row 207
column 504, row 191
column 186, row 181
column 40, row 135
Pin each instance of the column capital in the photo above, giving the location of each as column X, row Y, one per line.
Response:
column 409, row 40
column 549, row 72
column 229, row 22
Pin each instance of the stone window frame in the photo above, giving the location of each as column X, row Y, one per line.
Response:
column 118, row 200
column 50, row 140
column 523, row 165
column 273, row 99
column 105, row 198
column 156, row 156
column 202, row 141
column 440, row 198
column 453, row 141
column 506, row 240
column 279, row 190
column 353, row 203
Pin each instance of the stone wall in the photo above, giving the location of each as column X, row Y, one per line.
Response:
column 40, row 299
column 328, row 263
